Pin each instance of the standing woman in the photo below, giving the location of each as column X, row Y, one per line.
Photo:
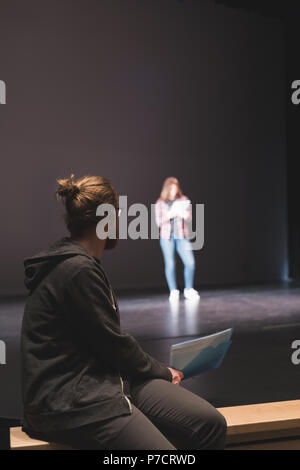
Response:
column 172, row 212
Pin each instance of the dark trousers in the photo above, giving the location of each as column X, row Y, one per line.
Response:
column 165, row 417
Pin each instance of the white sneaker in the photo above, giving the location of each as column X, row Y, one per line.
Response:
column 174, row 294
column 191, row 294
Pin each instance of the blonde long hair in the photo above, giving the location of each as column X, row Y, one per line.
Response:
column 165, row 192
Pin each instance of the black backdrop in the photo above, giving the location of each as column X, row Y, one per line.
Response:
column 293, row 146
column 138, row 91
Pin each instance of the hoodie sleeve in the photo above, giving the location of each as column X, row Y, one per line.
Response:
column 97, row 321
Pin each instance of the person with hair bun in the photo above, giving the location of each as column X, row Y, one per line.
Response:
column 85, row 383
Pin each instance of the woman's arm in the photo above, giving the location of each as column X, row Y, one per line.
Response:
column 158, row 213
column 97, row 323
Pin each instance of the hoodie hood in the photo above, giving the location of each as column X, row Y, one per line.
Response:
column 39, row 265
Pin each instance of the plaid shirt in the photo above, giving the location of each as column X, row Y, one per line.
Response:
column 163, row 221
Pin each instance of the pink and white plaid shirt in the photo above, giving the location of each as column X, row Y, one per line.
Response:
column 164, row 224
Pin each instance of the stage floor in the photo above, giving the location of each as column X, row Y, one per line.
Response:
column 257, row 368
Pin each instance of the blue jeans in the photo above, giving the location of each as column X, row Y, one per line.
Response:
column 182, row 246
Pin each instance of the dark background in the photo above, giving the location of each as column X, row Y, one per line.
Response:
column 138, row 91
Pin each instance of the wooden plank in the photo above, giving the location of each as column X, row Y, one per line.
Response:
column 254, row 425
column 284, row 413
column 20, row 441
column 262, row 421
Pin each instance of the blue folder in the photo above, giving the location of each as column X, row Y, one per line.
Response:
column 202, row 354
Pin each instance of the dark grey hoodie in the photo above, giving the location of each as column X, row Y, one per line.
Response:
column 74, row 356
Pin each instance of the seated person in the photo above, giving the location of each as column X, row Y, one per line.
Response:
column 85, row 382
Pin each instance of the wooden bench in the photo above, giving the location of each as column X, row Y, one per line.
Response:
column 20, row 441
column 262, row 426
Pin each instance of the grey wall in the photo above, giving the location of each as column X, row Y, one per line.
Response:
column 137, row 91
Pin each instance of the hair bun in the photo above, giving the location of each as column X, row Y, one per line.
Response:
column 67, row 188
